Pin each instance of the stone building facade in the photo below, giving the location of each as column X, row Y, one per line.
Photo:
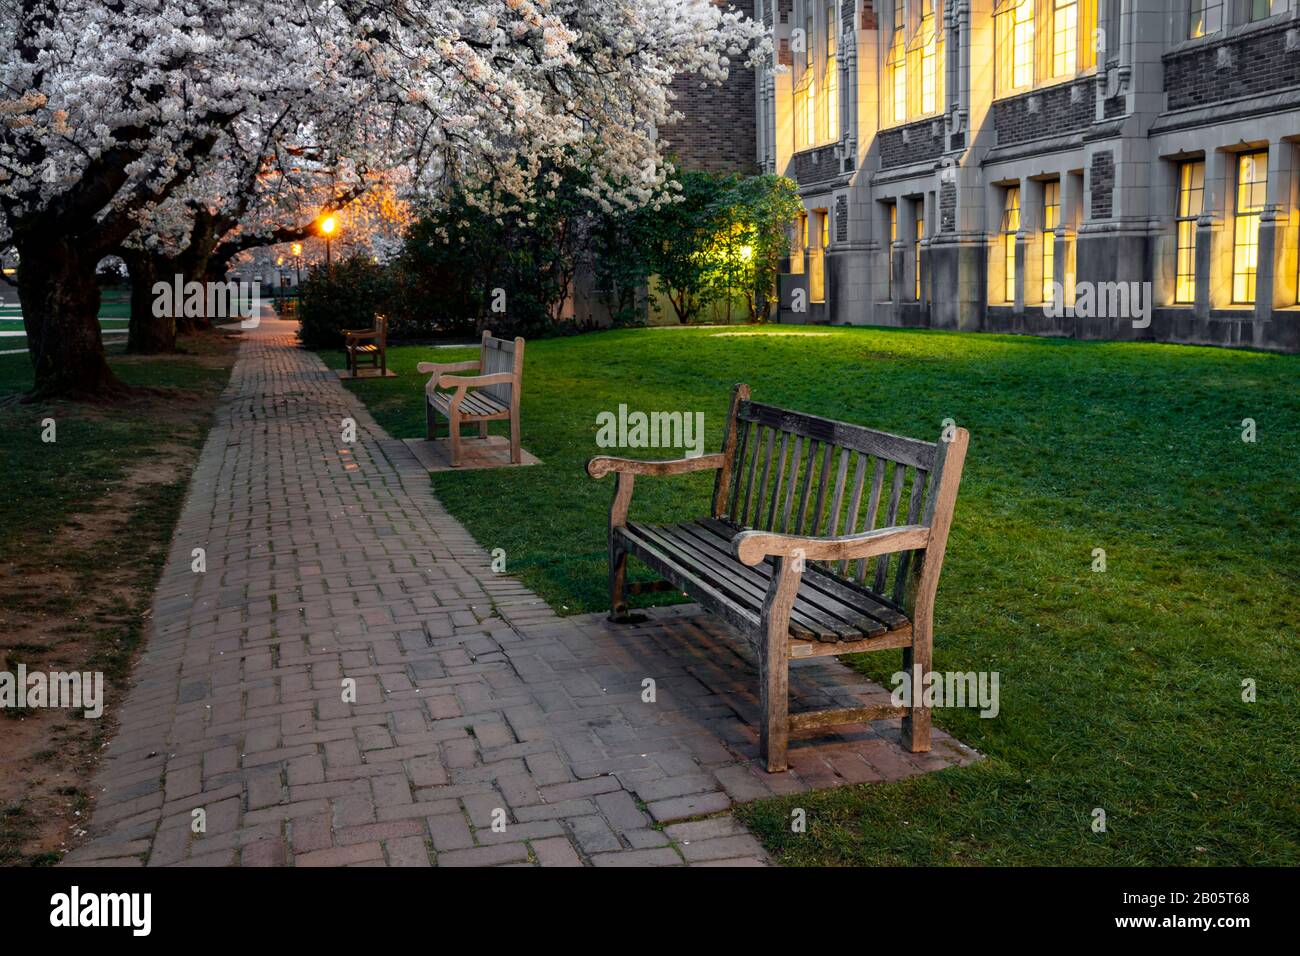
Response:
column 1120, row 169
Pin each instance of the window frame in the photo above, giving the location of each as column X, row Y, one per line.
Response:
column 1010, row 227
column 918, row 227
column 1245, row 227
column 1051, row 224
column 1189, row 204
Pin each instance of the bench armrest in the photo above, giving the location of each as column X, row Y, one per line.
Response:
column 360, row 333
column 602, row 465
column 438, row 369
column 751, row 547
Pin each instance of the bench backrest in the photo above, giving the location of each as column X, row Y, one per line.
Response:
column 793, row 473
column 502, row 355
column 381, row 326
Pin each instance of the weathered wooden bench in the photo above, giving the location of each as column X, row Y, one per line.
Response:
column 369, row 346
column 803, row 565
column 493, row 395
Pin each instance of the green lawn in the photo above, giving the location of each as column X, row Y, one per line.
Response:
column 114, row 316
column 1120, row 690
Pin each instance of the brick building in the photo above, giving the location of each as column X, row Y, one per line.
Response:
column 716, row 131
column 1041, row 166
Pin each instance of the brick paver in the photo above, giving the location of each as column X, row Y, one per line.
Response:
column 482, row 729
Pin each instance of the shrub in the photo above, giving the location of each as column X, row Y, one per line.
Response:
column 347, row 295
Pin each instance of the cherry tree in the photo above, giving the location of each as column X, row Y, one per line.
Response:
column 109, row 109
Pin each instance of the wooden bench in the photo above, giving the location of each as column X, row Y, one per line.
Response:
column 490, row 396
column 824, row 538
column 369, row 346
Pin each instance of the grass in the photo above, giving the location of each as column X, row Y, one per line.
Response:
column 114, row 316
column 1120, row 690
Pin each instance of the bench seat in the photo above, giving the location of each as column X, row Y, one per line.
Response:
column 473, row 405
column 697, row 556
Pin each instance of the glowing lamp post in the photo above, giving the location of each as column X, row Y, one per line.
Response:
column 297, row 265
column 327, row 227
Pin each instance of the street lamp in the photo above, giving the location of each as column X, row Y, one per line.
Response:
column 297, row 266
column 327, row 227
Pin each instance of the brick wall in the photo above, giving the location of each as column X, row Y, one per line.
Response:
column 1249, row 64
column 815, row 165
column 717, row 132
column 914, row 143
column 1102, row 184
column 1047, row 112
column 869, row 19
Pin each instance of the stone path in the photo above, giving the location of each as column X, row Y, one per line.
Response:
column 475, row 704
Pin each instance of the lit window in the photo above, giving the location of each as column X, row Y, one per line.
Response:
column 1204, row 16
column 1010, row 226
column 832, row 83
column 916, row 245
column 1252, row 176
column 1022, row 42
column 1065, row 37
column 816, row 274
column 1014, row 29
column 801, row 113
column 1051, row 219
column 1089, row 35
column 929, row 46
column 896, row 71
column 893, row 238
column 799, row 243
column 1191, row 190
column 810, row 136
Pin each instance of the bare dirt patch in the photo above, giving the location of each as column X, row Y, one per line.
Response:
column 77, row 598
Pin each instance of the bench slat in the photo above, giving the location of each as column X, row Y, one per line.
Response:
column 855, row 502
column 891, row 518
column 873, row 503
column 780, row 480
column 805, row 486
column 921, row 477
column 794, row 475
column 908, row 451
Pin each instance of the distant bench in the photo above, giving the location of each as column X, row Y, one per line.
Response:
column 790, row 558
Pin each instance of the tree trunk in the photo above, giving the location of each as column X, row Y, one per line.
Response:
column 149, row 334
column 60, row 300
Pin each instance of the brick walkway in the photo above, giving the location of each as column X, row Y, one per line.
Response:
column 474, row 702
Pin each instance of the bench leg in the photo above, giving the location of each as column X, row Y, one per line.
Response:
column 916, row 725
column 430, row 421
column 453, row 423
column 774, row 665
column 617, row 576
column 515, row 455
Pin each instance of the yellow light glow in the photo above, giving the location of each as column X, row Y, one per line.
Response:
column 297, row 248
column 746, row 253
column 328, row 225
